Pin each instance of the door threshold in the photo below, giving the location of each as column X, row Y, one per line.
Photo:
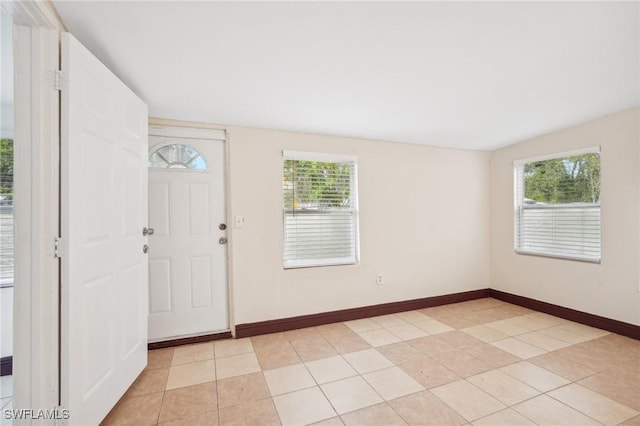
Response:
column 190, row 340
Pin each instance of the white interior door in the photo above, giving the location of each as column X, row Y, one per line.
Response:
column 188, row 261
column 104, row 293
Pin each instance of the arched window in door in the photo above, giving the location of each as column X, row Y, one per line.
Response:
column 176, row 156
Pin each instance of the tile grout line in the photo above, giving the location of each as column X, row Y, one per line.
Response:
column 215, row 373
column 580, row 411
column 164, row 391
column 314, row 379
column 567, row 405
column 358, row 374
column 262, row 370
column 457, row 350
column 271, row 396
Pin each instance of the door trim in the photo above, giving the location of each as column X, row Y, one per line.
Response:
column 189, row 340
column 187, row 132
column 37, row 30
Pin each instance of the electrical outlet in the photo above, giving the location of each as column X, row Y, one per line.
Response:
column 379, row 279
column 239, row 221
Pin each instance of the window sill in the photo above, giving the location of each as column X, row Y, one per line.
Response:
column 558, row 256
column 299, row 264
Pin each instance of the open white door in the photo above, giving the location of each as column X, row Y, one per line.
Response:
column 104, row 291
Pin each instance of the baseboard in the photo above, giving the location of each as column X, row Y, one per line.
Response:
column 312, row 320
column 6, row 366
column 189, row 340
column 592, row 320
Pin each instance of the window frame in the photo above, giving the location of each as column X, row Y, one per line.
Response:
column 326, row 158
column 518, row 167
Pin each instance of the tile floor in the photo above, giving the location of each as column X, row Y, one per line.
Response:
column 482, row 362
column 6, row 398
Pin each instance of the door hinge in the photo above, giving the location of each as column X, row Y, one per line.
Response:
column 57, row 247
column 57, row 80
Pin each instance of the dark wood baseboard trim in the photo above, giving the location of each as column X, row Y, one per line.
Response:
column 189, row 340
column 312, row 320
column 6, row 366
column 592, row 320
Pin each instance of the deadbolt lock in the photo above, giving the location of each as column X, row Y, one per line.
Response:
column 222, row 226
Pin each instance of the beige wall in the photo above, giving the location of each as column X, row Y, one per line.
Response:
column 610, row 289
column 429, row 220
column 424, row 224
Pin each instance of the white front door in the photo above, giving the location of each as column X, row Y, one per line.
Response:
column 187, row 258
column 104, row 292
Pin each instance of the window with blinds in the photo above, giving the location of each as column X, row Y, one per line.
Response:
column 557, row 206
column 320, row 215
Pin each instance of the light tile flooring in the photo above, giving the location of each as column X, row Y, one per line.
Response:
column 482, row 362
column 6, row 398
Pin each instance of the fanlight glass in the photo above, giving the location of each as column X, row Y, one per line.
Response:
column 176, row 156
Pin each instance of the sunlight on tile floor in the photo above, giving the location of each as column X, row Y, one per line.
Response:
column 482, row 362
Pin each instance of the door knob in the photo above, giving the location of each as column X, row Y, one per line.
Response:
column 222, row 240
column 145, row 249
column 147, row 231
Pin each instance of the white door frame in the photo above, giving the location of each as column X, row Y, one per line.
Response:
column 189, row 129
column 36, row 293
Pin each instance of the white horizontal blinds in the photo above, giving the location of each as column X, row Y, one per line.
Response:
column 558, row 206
column 319, row 211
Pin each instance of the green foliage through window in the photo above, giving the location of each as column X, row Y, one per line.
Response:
column 316, row 185
column 319, row 210
column 6, row 170
column 574, row 179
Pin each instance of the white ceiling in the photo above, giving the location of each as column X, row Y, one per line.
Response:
column 469, row 75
